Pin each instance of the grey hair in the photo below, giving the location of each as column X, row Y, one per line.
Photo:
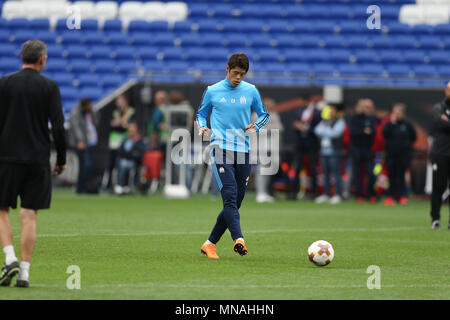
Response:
column 32, row 50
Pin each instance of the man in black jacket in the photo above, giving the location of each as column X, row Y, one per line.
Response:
column 400, row 136
column 307, row 143
column 27, row 102
column 362, row 134
column 440, row 156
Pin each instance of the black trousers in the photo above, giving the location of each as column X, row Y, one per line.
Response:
column 441, row 179
column 396, row 166
column 359, row 158
column 298, row 164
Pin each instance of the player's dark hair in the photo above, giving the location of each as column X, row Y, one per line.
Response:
column 32, row 50
column 239, row 60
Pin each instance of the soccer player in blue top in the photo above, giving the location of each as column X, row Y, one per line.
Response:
column 230, row 102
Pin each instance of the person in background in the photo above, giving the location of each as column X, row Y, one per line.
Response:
column 330, row 132
column 307, row 144
column 399, row 137
column 83, row 136
column 119, row 124
column 362, row 133
column 130, row 156
column 158, row 126
column 440, row 157
column 264, row 191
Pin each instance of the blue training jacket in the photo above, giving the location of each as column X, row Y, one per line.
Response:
column 230, row 109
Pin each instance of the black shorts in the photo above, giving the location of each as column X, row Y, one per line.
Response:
column 32, row 182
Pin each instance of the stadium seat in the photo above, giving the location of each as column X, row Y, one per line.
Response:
column 396, row 28
column 127, row 66
column 124, row 53
column 56, row 65
column 39, row 24
column 424, row 71
column 173, row 54
column 317, row 55
column 340, row 56
column 359, row 41
column 75, row 51
column 403, row 42
column 429, row 42
column 69, row 93
column 138, row 26
column 117, row 38
column 104, row 66
column 91, row 92
column 54, row 51
column 392, row 56
column 191, row 40
column 444, row 71
column 320, row 69
column 112, row 25
column 398, row 70
column 309, row 41
column 277, row 26
column 79, row 65
column 439, row 57
column 269, row 55
column 99, row 52
column 294, row 55
column 182, row 26
column 113, row 80
column 380, row 42
column 63, row 78
column 159, row 26
column 298, row 68
column 88, row 80
column 333, row 42
column 18, row 23
column 93, row 38
column 21, row 36
column 414, row 57
column 372, row 69
column 89, row 25
column 151, row 53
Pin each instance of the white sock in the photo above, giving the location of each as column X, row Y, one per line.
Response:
column 239, row 239
column 24, row 272
column 208, row 242
column 10, row 255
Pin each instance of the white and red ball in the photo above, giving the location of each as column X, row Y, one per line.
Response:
column 321, row 253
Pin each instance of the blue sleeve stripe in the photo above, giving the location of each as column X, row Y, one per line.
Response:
column 263, row 121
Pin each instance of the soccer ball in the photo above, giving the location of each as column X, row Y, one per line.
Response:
column 320, row 253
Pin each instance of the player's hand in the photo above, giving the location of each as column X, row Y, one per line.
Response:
column 367, row 130
column 59, row 169
column 81, row 145
column 393, row 119
column 250, row 127
column 444, row 117
column 202, row 131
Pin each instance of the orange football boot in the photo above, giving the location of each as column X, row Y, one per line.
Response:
column 210, row 251
column 389, row 201
column 403, row 200
column 239, row 247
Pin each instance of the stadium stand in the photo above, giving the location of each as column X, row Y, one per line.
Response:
column 289, row 42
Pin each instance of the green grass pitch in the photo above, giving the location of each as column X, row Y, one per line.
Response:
column 149, row 248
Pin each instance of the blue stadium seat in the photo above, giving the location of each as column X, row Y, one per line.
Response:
column 317, row 55
column 40, row 24
column 248, row 12
column 113, row 80
column 177, row 66
column 442, row 29
column 80, row 65
column 259, row 41
column 285, row 41
column 340, row 56
column 439, row 57
column 324, row 27
column 390, row 56
column 18, row 23
column 299, row 68
column 104, row 66
column 301, row 27
column 89, row 80
column 398, row 70
column 205, row 66
column 75, row 51
column 422, row 30
column 4, row 36
column 151, row 53
column 61, row 25
column 272, row 68
column 352, row 27
column 190, row 40
column 54, row 51
column 406, row 83
column 9, row 64
column 237, row 40
column 414, row 56
column 210, row 40
column 358, row 41
column 68, row 105
column 380, row 42
column 223, row 11
column 277, row 26
column 159, row 26
column 294, row 55
column 162, row 39
column 127, row 66
column 403, row 42
column 429, row 42
column 396, row 28
column 100, row 52
column 124, row 53
column 138, row 26
column 339, row 11
column 93, row 38
column 199, row 10
column 293, row 12
column 141, row 38
column 182, row 26
column 89, row 25
column 217, row 54
column 48, row 37
column 248, row 26
column 91, row 92
column 173, row 54
column 444, row 71
column 20, row 36
column 71, row 37
column 372, row 69
column 154, row 66
column 112, row 25
column 69, row 93
column 424, row 71
column 56, row 65
column 269, row 55
column 323, row 69
column 446, row 43
column 309, row 41
column 333, row 42
column 63, row 78
column 117, row 38
column 183, row 78
column 207, row 26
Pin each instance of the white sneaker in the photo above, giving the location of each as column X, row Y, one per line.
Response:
column 263, row 197
column 321, row 199
column 335, row 199
column 118, row 189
